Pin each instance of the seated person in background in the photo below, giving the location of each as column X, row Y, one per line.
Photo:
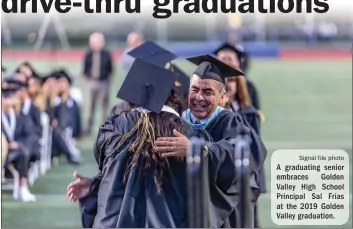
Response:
column 27, row 69
column 20, row 76
column 65, row 83
column 50, row 91
column 17, row 130
column 30, row 110
column 66, row 115
column 36, row 94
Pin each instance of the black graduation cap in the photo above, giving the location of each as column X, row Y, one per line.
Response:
column 15, row 84
column 238, row 50
column 147, row 85
column 210, row 67
column 63, row 74
column 52, row 75
column 152, row 53
column 182, row 84
column 7, row 92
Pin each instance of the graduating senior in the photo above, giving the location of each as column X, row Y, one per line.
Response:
column 139, row 187
column 17, row 130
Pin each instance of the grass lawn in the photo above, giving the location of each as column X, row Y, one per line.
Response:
column 307, row 104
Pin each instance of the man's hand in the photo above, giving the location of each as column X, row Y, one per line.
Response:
column 13, row 145
column 172, row 146
column 79, row 188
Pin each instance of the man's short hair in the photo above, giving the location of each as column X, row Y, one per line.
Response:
column 221, row 87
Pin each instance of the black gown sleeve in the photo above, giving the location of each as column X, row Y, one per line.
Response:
column 229, row 126
column 251, row 116
column 88, row 205
column 25, row 134
column 77, row 130
column 35, row 115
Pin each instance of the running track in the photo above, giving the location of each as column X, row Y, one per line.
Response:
column 77, row 55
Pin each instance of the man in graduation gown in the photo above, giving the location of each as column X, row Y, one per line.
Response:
column 206, row 91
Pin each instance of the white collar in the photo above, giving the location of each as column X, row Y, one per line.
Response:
column 57, row 100
column 26, row 106
column 194, row 119
column 9, row 125
column 165, row 108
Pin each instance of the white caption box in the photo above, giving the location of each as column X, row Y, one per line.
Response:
column 310, row 187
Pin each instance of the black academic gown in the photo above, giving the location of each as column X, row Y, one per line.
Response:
column 137, row 204
column 50, row 110
column 254, row 96
column 63, row 112
column 250, row 114
column 35, row 115
column 223, row 180
column 23, row 136
column 224, row 127
column 77, row 122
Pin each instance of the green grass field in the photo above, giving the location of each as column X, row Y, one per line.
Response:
column 308, row 104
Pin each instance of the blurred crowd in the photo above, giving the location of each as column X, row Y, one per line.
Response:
column 40, row 120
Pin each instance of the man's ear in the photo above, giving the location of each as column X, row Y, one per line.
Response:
column 223, row 95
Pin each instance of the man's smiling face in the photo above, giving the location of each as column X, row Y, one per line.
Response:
column 204, row 96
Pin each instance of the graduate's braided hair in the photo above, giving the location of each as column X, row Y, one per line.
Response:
column 148, row 128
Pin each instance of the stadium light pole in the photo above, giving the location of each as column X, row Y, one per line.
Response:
column 59, row 29
column 6, row 30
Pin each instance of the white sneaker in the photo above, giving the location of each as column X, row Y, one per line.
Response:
column 25, row 195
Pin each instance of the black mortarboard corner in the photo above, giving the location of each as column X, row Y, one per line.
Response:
column 15, row 84
column 238, row 50
column 210, row 67
column 152, row 53
column 147, row 85
column 182, row 84
column 6, row 93
column 63, row 74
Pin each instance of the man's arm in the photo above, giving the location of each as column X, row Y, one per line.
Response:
column 86, row 65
